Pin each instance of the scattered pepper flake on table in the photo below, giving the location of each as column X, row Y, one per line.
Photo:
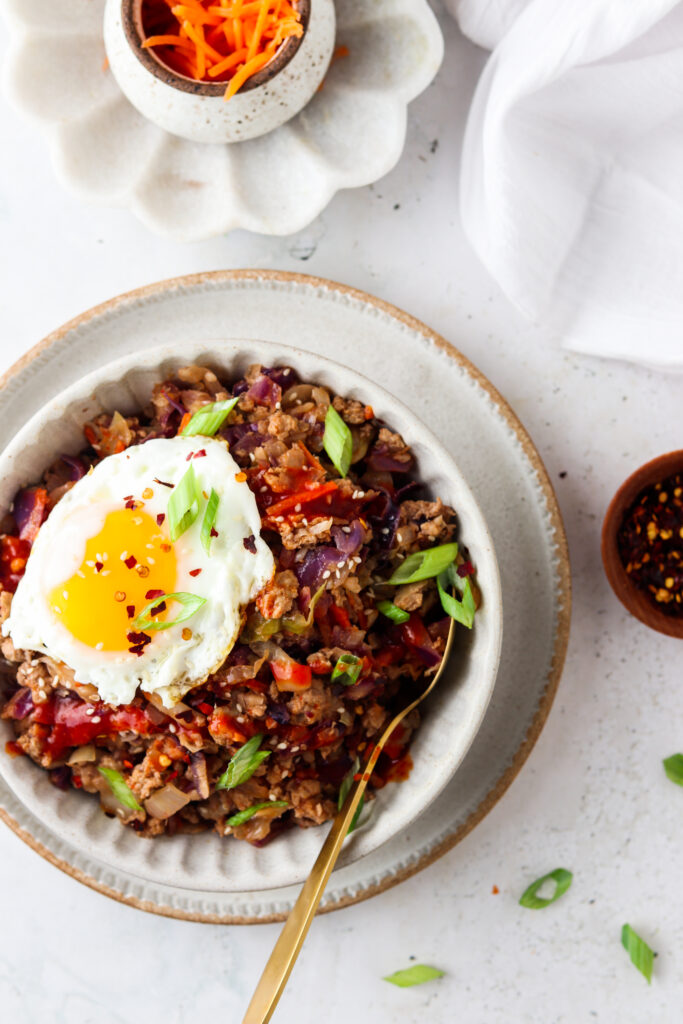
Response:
column 650, row 542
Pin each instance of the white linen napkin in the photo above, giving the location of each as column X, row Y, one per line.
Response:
column 572, row 171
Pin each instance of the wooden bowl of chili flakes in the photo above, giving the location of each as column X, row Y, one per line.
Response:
column 642, row 544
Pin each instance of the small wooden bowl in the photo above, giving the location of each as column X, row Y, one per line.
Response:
column 631, row 596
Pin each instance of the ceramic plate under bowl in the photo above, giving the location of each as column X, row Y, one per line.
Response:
column 503, row 470
column 451, row 718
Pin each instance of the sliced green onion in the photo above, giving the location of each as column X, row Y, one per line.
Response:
column 673, row 766
column 190, row 602
column 297, row 623
column 561, row 877
column 243, row 764
column 249, row 812
column 424, row 565
column 337, row 441
column 208, row 420
column 347, row 782
column 119, row 788
column 347, row 670
column 461, row 610
column 641, row 955
column 392, row 611
column 416, row 975
column 208, row 520
column 183, row 505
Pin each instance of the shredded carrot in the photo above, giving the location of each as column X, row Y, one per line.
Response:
column 219, row 40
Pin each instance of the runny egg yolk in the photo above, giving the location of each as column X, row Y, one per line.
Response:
column 128, row 558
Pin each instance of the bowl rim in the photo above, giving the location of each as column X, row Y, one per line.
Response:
column 45, row 348
column 131, row 19
column 631, row 596
column 237, row 351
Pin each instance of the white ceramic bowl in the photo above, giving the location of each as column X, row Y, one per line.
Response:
column 197, row 110
column 451, row 717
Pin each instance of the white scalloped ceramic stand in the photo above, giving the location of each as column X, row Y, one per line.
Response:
column 350, row 134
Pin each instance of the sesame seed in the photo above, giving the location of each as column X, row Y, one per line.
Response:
column 150, row 547
column 264, row 489
column 271, row 796
column 90, row 711
column 96, row 719
column 340, row 565
column 385, row 529
column 58, row 610
column 65, row 595
column 150, row 560
column 252, row 456
column 123, row 556
column 106, row 572
column 239, row 708
column 327, row 574
column 99, row 558
column 294, row 750
column 337, row 574
column 281, row 746
column 99, row 646
column 346, row 529
column 90, row 564
column 81, row 574
column 305, row 521
column 297, row 508
column 172, row 728
column 241, row 718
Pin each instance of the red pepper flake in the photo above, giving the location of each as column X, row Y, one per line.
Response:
column 131, row 503
column 190, row 456
column 127, row 764
column 128, row 497
column 250, row 543
column 130, row 611
column 650, row 542
column 163, row 483
column 76, row 781
column 130, row 562
column 160, row 518
column 99, row 566
column 138, row 638
column 139, row 649
column 466, row 569
column 240, row 477
column 201, row 454
column 495, row 890
column 214, row 533
column 205, row 708
column 172, row 775
column 151, row 594
column 195, row 572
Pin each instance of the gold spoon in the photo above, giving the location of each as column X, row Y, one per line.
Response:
column 288, row 946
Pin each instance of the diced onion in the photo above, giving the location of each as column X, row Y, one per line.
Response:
column 166, row 801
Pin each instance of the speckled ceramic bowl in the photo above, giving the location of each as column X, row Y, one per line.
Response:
column 197, row 110
column 452, row 715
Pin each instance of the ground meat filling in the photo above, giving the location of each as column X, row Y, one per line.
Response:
column 334, row 541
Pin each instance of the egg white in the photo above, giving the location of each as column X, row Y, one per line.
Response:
column 230, row 577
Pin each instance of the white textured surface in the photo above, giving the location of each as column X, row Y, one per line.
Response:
column 592, row 797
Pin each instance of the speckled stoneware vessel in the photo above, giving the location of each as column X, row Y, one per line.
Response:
column 198, row 111
column 451, row 719
column 502, row 468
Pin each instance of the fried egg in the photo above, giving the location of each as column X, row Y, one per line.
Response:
column 106, row 551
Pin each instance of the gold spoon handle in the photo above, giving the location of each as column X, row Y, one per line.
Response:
column 286, row 950
column 288, row 946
